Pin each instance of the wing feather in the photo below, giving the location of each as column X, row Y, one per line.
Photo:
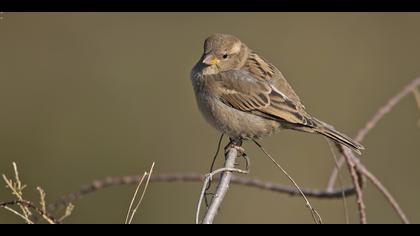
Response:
column 240, row 90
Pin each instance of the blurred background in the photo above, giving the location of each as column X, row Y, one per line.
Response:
column 84, row 96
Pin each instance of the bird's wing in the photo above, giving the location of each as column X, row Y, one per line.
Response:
column 262, row 70
column 241, row 90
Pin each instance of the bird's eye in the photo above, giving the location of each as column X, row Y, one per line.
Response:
column 225, row 56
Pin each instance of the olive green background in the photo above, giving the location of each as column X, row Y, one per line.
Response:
column 89, row 95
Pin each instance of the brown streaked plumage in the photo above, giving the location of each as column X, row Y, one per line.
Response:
column 244, row 96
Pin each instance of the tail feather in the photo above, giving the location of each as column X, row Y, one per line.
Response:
column 329, row 131
column 317, row 126
column 343, row 139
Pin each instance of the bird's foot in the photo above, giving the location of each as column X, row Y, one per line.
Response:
column 237, row 145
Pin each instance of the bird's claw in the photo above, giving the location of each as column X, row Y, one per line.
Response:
column 240, row 150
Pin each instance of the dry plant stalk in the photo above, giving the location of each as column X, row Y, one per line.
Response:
column 29, row 205
column 132, row 211
column 43, row 204
column 6, row 206
column 130, row 208
column 17, row 187
column 315, row 215
column 26, row 206
column 67, row 212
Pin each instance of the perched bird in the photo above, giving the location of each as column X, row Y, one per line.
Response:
column 244, row 96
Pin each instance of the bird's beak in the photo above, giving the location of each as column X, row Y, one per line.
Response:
column 210, row 60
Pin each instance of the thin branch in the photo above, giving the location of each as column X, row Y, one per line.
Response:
column 216, row 154
column 219, row 144
column 208, row 178
column 340, row 181
column 222, row 188
column 43, row 205
column 362, row 171
column 388, row 107
column 17, row 187
column 28, row 204
column 127, row 218
column 149, row 174
column 417, row 98
column 315, row 215
column 118, row 181
column 69, row 210
column 361, row 168
column 6, row 207
column 356, row 182
column 42, row 197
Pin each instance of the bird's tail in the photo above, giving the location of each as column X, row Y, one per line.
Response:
column 328, row 131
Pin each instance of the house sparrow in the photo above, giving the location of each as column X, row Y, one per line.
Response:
column 244, row 96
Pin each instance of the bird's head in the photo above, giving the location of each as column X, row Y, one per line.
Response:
column 223, row 52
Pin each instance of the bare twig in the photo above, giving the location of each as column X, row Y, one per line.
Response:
column 17, row 187
column 340, row 181
column 362, row 169
column 356, row 182
column 223, row 186
column 315, row 215
column 219, row 144
column 133, row 213
column 26, row 206
column 412, row 87
column 43, row 204
column 134, row 198
column 5, row 206
column 117, row 181
column 67, row 212
column 30, row 205
column 388, row 107
column 216, row 154
column 362, row 172
column 208, row 178
column 42, row 197
column 417, row 98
